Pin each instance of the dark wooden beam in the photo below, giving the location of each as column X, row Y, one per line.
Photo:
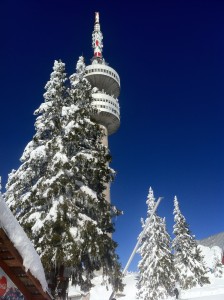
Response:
column 37, row 284
column 11, row 262
column 16, row 280
column 11, row 248
column 16, row 263
column 5, row 254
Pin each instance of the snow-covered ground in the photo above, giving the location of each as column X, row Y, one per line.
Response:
column 213, row 291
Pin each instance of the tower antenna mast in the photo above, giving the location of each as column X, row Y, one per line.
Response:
column 97, row 39
column 105, row 82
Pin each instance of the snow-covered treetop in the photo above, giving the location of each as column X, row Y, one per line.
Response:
column 150, row 199
column 176, row 204
column 16, row 234
column 151, row 194
column 80, row 70
column 56, row 82
column 80, row 66
column 177, row 213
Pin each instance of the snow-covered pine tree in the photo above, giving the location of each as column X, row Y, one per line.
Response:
column 188, row 260
column 218, row 267
column 156, row 273
column 89, row 174
column 62, row 205
column 22, row 190
column 25, row 195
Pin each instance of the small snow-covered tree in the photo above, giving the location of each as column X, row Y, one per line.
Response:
column 58, row 191
column 188, row 260
column 218, row 267
column 156, row 272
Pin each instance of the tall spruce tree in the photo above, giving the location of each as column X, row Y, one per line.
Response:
column 156, row 272
column 188, row 260
column 22, row 188
column 58, row 191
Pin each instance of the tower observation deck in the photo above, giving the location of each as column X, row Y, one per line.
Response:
column 106, row 83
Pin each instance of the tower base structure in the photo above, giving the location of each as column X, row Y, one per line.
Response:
column 105, row 143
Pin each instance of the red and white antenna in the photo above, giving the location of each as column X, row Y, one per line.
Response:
column 97, row 38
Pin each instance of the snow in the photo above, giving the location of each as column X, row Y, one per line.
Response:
column 211, row 255
column 38, row 223
column 38, row 153
column 31, row 259
column 69, row 109
column 71, row 125
column 59, row 157
column 213, row 291
column 88, row 191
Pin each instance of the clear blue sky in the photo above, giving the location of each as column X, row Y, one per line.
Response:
column 170, row 58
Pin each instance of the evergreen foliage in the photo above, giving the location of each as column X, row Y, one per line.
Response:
column 57, row 193
column 218, row 268
column 188, row 260
column 156, row 273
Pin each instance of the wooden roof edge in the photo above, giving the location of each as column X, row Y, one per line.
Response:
column 45, row 294
column 15, row 280
column 10, row 246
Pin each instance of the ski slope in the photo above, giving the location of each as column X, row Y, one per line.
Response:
column 213, row 291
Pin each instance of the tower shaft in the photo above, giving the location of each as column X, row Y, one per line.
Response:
column 105, row 82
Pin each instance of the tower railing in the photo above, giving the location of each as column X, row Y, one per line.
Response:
column 107, row 103
column 103, row 69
